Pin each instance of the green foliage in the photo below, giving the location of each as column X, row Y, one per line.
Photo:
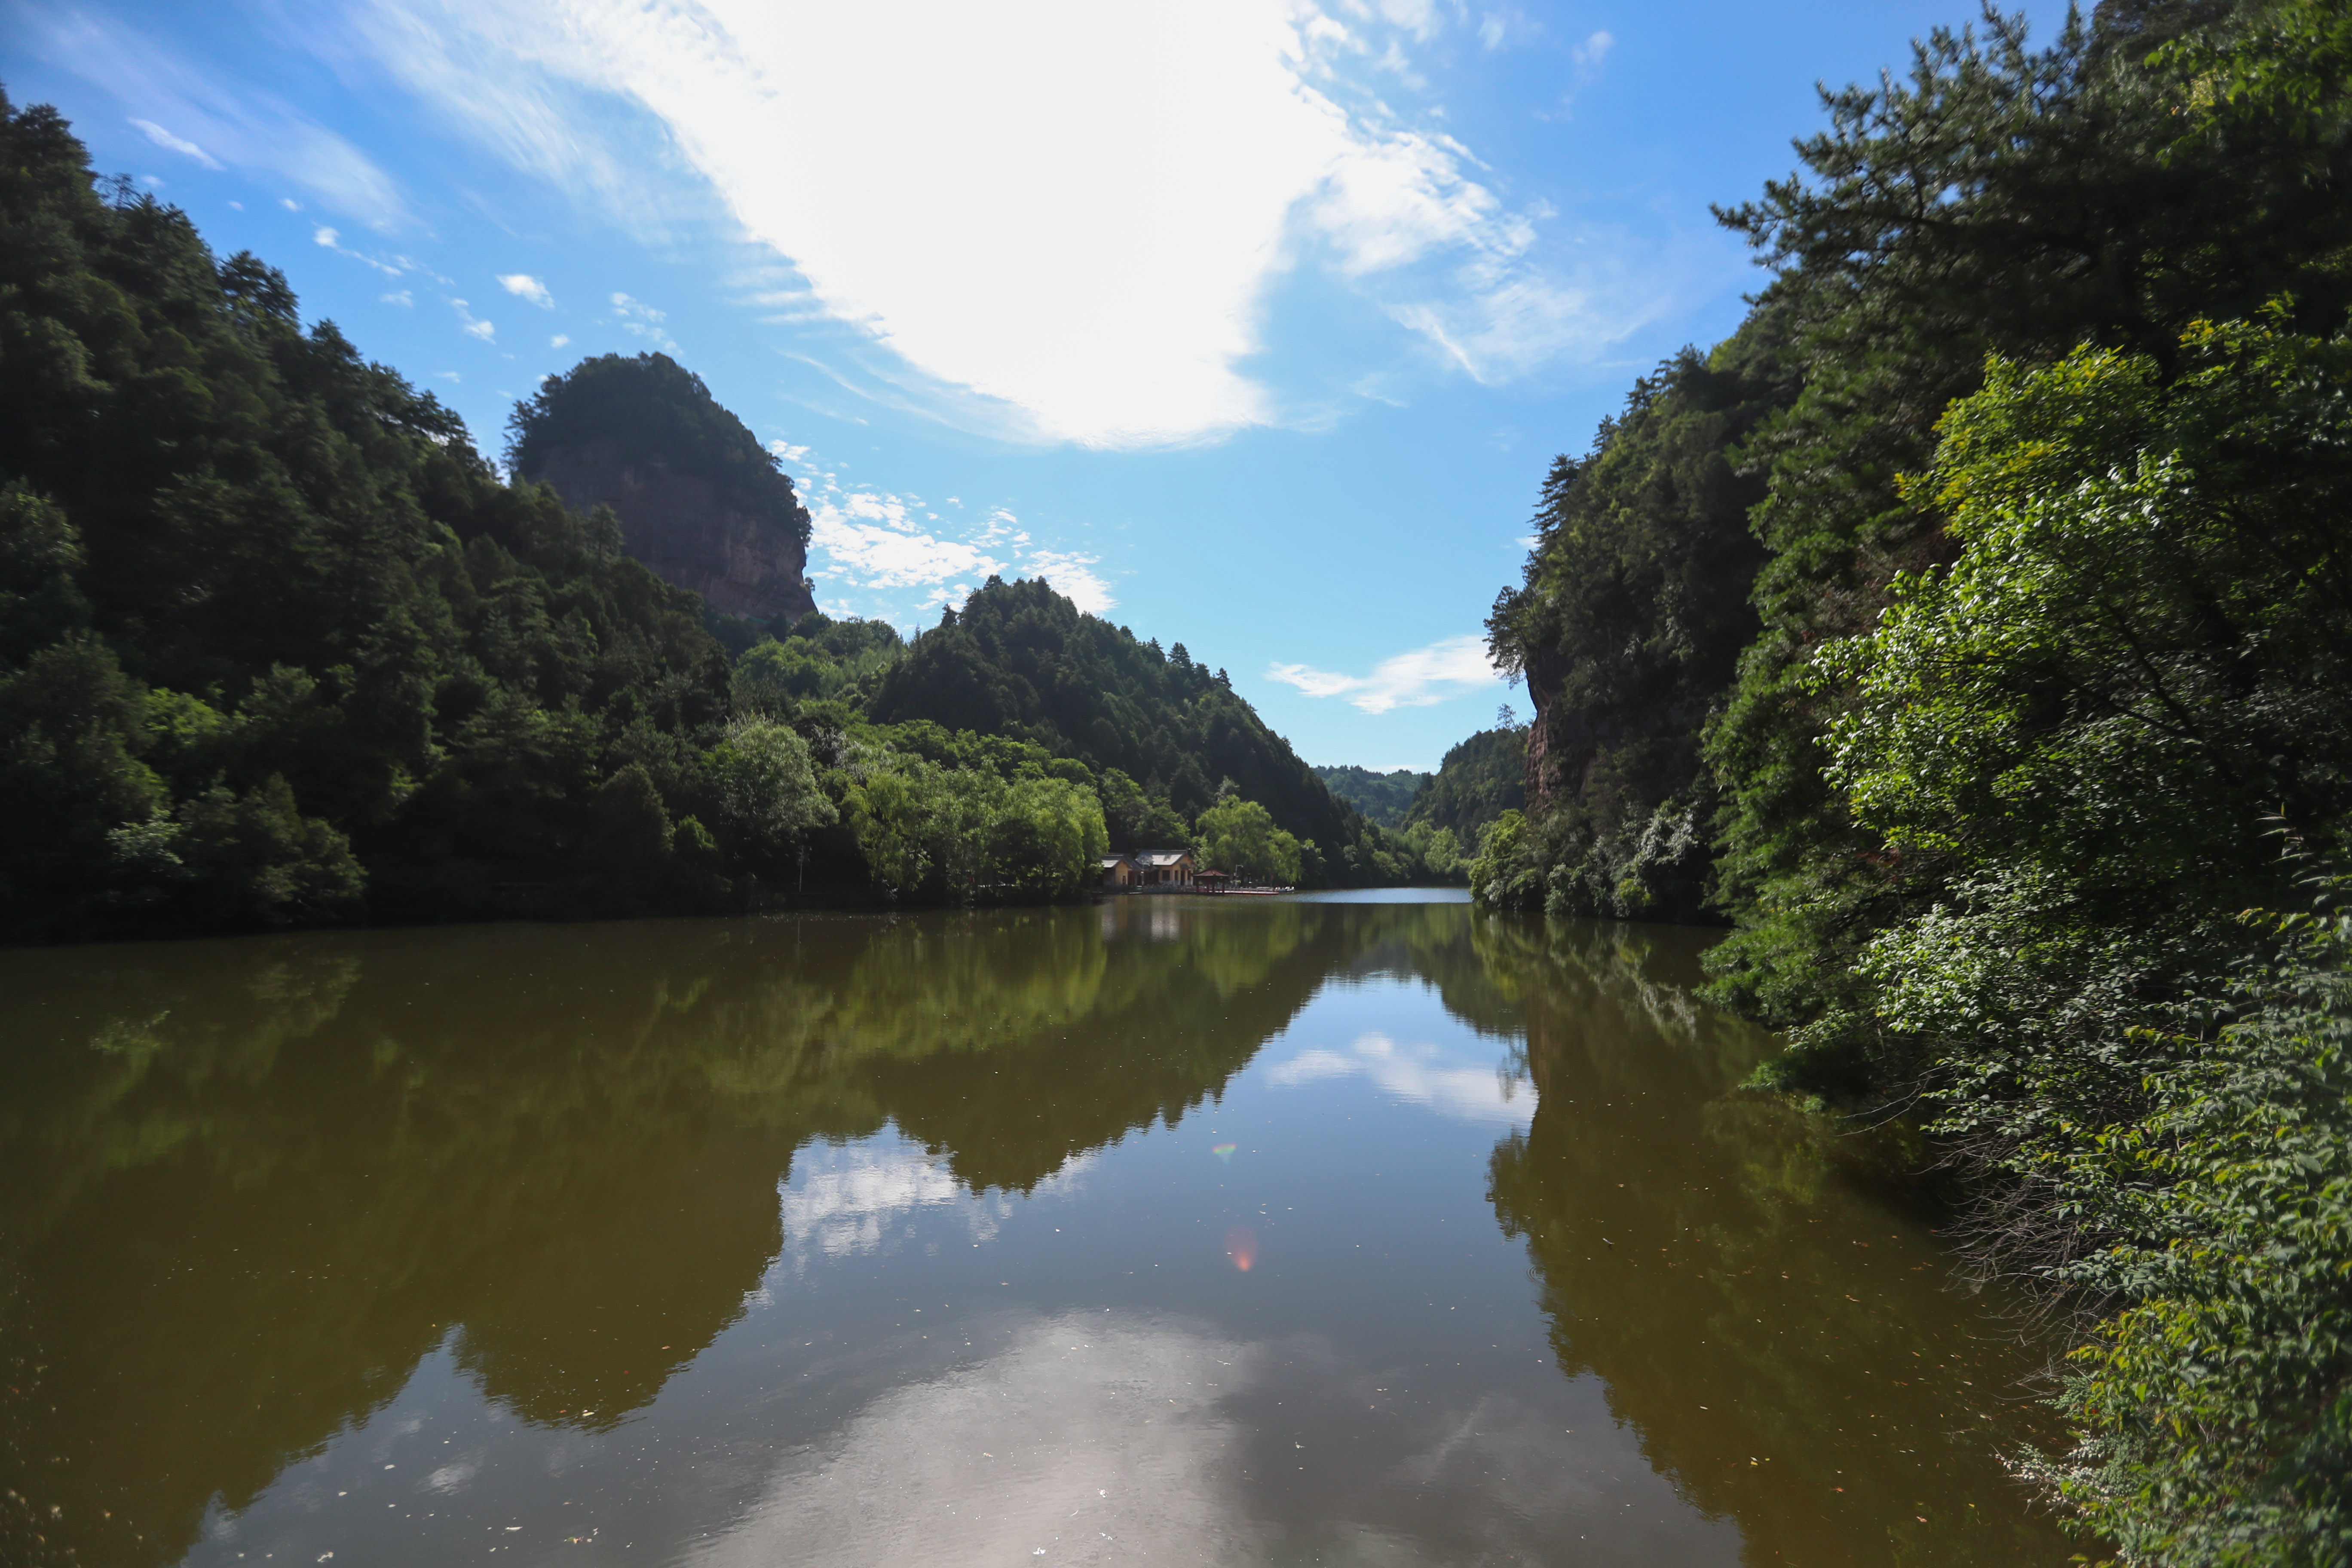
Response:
column 1503, row 876
column 2003, row 200
column 1439, row 849
column 1628, row 628
column 1239, row 837
column 278, row 646
column 257, row 858
column 1138, row 820
column 1478, row 780
column 2073, row 743
column 817, row 659
column 934, row 833
column 648, row 408
column 1019, row 660
column 2279, row 75
column 767, row 791
column 1383, row 798
column 2214, row 1410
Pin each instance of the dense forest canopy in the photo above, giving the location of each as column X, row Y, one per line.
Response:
column 276, row 637
column 1021, row 660
column 1970, row 629
column 649, row 408
column 1479, row 779
column 1383, row 798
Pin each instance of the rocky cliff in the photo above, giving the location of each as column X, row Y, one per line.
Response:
column 742, row 563
column 700, row 500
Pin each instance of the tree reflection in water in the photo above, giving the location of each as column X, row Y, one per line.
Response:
column 252, row 1184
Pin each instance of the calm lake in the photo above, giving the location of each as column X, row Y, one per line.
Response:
column 1228, row 1231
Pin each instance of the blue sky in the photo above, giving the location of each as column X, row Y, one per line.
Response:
column 1252, row 324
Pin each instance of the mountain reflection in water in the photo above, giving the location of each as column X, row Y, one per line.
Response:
column 650, row 1215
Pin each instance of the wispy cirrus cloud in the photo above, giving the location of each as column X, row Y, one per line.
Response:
column 1453, row 667
column 179, row 106
column 1108, row 289
column 328, row 238
column 164, row 139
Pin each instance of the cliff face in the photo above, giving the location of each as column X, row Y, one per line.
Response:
column 742, row 563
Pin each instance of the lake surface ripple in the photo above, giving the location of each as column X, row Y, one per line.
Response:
column 1171, row 1230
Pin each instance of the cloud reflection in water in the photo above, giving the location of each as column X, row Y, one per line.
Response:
column 1446, row 1081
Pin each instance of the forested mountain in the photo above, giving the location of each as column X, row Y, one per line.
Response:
column 1972, row 629
column 277, row 646
column 1479, row 779
column 273, row 637
column 1022, row 661
column 1383, row 798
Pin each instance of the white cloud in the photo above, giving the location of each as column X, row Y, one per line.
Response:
column 1426, row 1075
column 472, row 325
column 1073, row 577
column 401, row 297
column 1104, row 287
column 1453, row 667
column 643, row 321
column 1587, row 56
column 524, row 286
column 558, row 340
column 870, row 549
column 870, row 542
column 331, row 240
column 163, row 138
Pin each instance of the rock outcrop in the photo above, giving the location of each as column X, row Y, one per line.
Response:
column 742, row 563
column 700, row 500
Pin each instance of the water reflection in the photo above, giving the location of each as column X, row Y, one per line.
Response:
column 1750, row 1286
column 471, row 1206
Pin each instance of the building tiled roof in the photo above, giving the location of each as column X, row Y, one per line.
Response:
column 1163, row 856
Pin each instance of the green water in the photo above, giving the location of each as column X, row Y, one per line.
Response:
column 1168, row 1230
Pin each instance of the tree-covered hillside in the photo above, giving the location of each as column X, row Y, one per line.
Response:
column 1971, row 630
column 277, row 646
column 1629, row 629
column 1478, row 780
column 1383, row 798
column 1022, row 661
